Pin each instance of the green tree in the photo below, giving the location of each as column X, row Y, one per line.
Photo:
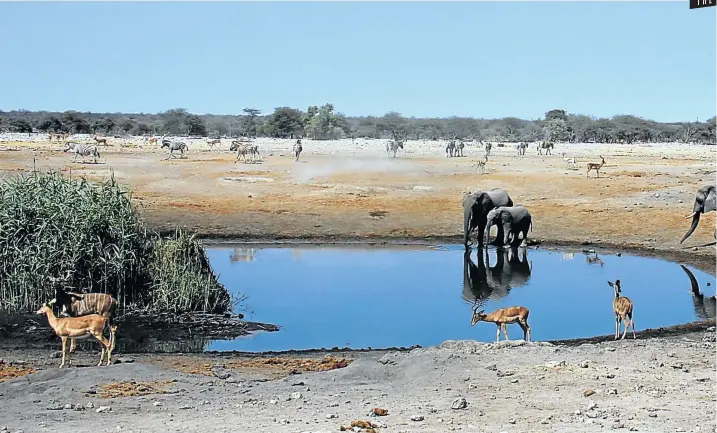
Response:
column 285, row 122
column 250, row 121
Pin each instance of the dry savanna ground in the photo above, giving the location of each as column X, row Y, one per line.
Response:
column 341, row 189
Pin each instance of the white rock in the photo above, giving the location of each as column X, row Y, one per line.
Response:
column 417, row 418
column 103, row 409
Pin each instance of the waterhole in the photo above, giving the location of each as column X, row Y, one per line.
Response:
column 360, row 297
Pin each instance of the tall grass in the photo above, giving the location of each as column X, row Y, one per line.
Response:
column 52, row 225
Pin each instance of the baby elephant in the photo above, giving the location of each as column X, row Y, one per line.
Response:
column 513, row 220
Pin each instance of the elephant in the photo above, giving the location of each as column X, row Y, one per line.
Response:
column 514, row 220
column 476, row 206
column 481, row 283
column 704, row 202
column 705, row 306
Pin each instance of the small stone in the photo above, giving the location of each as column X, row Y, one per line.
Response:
column 680, row 429
column 652, row 415
column 296, row 395
column 157, row 403
column 417, row 418
column 555, row 364
column 618, row 425
column 103, row 409
column 511, row 421
column 331, row 416
column 612, row 391
column 514, row 381
column 273, row 401
column 90, row 405
column 592, row 405
column 610, row 376
column 584, row 364
column 546, row 420
column 459, row 403
column 55, row 407
column 578, row 412
column 491, row 367
column 633, row 428
column 68, row 406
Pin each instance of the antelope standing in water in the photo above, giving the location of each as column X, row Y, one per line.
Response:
column 622, row 307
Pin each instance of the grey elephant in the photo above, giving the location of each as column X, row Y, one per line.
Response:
column 514, row 220
column 704, row 202
column 481, row 282
column 476, row 206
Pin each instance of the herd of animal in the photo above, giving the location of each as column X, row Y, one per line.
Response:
column 90, row 314
column 483, row 209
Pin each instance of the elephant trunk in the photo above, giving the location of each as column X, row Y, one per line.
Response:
column 695, row 221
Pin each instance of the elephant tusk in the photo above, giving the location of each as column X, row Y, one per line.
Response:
column 690, row 215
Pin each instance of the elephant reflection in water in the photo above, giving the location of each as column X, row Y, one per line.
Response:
column 481, row 282
column 243, row 255
column 705, row 306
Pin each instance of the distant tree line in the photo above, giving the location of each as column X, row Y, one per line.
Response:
column 325, row 123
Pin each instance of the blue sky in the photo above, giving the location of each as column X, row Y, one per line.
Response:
column 481, row 59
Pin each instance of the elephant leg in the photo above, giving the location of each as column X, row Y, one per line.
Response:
column 481, row 231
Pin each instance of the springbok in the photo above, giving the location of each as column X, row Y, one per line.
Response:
column 502, row 317
column 480, row 164
column 622, row 307
column 80, row 304
column 81, row 327
column 214, row 142
column 595, row 166
column 100, row 140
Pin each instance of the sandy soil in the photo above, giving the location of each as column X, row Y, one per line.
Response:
column 342, row 191
column 649, row 384
column 339, row 190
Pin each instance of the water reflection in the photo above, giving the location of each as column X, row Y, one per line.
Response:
column 705, row 306
column 592, row 260
column 482, row 282
column 243, row 255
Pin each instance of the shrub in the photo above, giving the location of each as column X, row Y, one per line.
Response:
column 52, row 225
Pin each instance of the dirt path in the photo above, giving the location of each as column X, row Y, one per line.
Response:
column 649, row 384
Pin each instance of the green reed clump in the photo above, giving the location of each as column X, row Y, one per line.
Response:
column 182, row 277
column 52, row 226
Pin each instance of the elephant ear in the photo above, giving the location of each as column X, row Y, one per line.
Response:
column 711, row 200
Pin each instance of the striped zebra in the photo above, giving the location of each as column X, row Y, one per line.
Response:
column 174, row 145
column 547, row 145
column 297, row 149
column 82, row 149
column 459, row 148
column 521, row 148
column 244, row 148
column 488, row 147
column 393, row 146
column 451, row 148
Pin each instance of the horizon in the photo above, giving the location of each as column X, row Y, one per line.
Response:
column 422, row 60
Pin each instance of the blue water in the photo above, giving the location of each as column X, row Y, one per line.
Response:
column 361, row 297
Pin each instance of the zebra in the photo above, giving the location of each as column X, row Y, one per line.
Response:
column 451, row 148
column 82, row 149
column 459, row 148
column 393, row 145
column 521, row 148
column 297, row 149
column 488, row 147
column 244, row 148
column 174, row 145
column 547, row 145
